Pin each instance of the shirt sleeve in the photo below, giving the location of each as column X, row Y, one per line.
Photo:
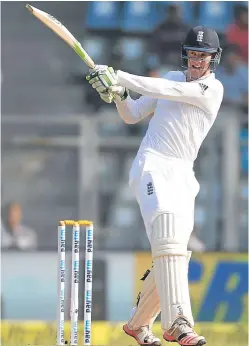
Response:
column 208, row 98
column 133, row 111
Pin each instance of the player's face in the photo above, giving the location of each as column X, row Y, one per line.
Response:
column 198, row 64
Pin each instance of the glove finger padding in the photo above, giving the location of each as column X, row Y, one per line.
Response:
column 93, row 80
column 99, row 87
column 106, row 76
column 101, row 78
column 107, row 97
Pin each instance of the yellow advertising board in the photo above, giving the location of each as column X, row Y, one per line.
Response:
column 218, row 285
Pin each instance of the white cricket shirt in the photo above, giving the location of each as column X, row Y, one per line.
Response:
column 183, row 111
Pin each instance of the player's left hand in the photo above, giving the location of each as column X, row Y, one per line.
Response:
column 102, row 77
column 104, row 80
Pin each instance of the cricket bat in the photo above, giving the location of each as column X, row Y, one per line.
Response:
column 62, row 32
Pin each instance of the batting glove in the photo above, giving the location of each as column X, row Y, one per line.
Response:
column 104, row 80
column 106, row 96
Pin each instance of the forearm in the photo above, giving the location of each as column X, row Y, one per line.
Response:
column 127, row 110
column 153, row 87
column 161, row 88
column 133, row 111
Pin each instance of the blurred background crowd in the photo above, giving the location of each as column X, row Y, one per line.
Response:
column 66, row 154
column 47, row 108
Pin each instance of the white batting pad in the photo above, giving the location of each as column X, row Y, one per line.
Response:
column 148, row 307
column 170, row 259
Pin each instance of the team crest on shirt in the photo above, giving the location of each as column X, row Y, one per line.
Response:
column 149, row 189
column 203, row 88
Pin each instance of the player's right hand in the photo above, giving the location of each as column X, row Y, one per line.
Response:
column 106, row 96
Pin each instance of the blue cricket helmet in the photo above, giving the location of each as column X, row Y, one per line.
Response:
column 202, row 39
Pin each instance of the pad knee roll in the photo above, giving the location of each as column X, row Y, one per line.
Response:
column 164, row 240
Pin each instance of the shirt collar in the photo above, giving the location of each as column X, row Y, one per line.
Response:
column 210, row 76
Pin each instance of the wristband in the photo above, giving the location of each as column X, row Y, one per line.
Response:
column 125, row 95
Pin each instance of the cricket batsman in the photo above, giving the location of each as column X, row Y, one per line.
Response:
column 184, row 105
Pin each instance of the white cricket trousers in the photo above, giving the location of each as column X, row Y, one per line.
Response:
column 165, row 185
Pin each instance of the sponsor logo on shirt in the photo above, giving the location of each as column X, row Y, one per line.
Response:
column 203, row 88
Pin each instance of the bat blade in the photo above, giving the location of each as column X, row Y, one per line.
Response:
column 59, row 29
